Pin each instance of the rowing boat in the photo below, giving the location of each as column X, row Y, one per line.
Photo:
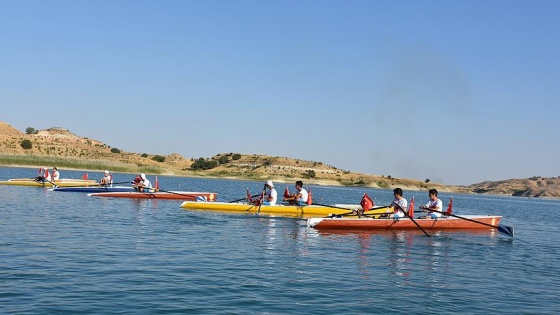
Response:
column 60, row 183
column 182, row 195
column 443, row 223
column 60, row 180
column 94, row 189
column 281, row 210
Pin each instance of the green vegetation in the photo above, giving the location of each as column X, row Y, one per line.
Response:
column 203, row 164
column 26, row 144
column 236, row 156
column 383, row 184
column 31, row 131
column 144, row 155
column 309, row 174
column 115, row 150
column 159, row 158
column 223, row 159
column 79, row 164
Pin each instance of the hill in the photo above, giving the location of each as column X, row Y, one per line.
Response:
column 60, row 147
column 530, row 187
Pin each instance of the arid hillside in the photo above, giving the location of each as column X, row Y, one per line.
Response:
column 59, row 142
column 530, row 187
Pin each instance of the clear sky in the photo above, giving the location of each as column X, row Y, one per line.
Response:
column 455, row 91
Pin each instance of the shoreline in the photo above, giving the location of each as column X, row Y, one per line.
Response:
column 284, row 181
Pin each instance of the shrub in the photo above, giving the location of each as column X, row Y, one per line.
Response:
column 115, row 150
column 237, row 156
column 427, row 180
column 144, row 155
column 26, row 144
column 202, row 164
column 30, row 130
column 159, row 158
column 310, row 173
column 223, row 159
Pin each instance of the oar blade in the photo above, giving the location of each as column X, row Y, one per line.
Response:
column 507, row 230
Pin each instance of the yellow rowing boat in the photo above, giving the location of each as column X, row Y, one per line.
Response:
column 280, row 210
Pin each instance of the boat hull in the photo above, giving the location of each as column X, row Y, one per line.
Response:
column 60, row 180
column 176, row 195
column 444, row 223
column 280, row 210
column 95, row 189
column 61, row 183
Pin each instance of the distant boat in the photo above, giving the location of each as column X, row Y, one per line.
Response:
column 182, row 195
column 60, row 183
column 94, row 189
column 60, row 180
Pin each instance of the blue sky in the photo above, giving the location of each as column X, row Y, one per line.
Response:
column 455, row 91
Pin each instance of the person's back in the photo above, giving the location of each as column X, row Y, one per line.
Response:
column 145, row 185
column 47, row 175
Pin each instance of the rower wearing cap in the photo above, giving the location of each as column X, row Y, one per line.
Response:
column 144, row 184
column 107, row 179
column 271, row 196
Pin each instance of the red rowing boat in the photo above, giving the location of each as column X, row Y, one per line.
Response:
column 443, row 223
column 182, row 195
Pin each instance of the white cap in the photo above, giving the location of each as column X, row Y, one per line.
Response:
column 106, row 172
column 269, row 183
column 143, row 176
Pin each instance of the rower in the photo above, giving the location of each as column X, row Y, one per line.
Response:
column 434, row 203
column 107, row 179
column 271, row 196
column 144, row 185
column 55, row 174
column 300, row 198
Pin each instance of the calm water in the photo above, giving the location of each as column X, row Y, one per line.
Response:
column 67, row 253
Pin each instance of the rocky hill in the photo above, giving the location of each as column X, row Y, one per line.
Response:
column 59, row 142
column 530, row 187
column 64, row 146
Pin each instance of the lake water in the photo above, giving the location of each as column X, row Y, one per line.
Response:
column 67, row 253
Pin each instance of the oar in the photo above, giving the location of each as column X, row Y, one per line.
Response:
column 119, row 183
column 262, row 194
column 167, row 191
column 44, row 180
column 236, row 200
column 375, row 208
column 507, row 230
column 93, row 184
column 406, row 214
column 352, row 210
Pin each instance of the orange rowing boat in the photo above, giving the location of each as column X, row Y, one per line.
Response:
column 443, row 223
